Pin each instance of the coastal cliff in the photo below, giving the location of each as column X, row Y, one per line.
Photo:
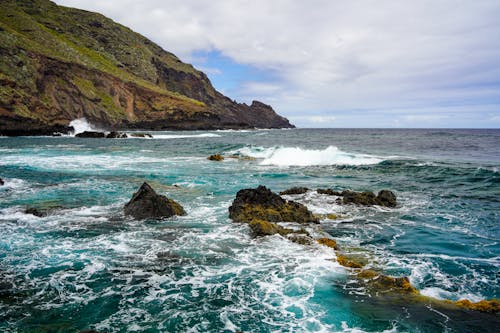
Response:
column 58, row 64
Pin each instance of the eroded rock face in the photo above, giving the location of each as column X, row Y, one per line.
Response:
column 261, row 203
column 146, row 203
column 295, row 190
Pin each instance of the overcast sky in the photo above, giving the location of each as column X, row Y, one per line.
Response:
column 329, row 63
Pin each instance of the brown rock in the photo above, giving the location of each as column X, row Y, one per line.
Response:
column 295, row 190
column 146, row 203
column 216, row 157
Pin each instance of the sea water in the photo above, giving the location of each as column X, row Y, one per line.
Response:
column 87, row 266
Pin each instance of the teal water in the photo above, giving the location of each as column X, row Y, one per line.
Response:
column 86, row 265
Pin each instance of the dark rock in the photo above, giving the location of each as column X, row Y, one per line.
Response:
column 2, row 182
column 263, row 204
column 387, row 198
column 35, row 211
column 384, row 198
column 295, row 190
column 216, row 157
column 328, row 192
column 264, row 228
column 91, row 134
column 366, row 198
column 300, row 239
column 116, row 135
column 146, row 203
column 141, row 135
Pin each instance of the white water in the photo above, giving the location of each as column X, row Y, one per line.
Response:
column 81, row 125
column 295, row 156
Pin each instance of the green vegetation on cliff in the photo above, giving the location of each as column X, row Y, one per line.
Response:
column 58, row 64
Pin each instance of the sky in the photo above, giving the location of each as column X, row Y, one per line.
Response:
column 336, row 63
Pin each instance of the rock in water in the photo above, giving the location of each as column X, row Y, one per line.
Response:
column 90, row 134
column 2, row 182
column 387, row 198
column 146, row 203
column 294, row 190
column 263, row 204
column 116, row 135
column 216, row 157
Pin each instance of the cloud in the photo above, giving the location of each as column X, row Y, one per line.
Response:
column 333, row 57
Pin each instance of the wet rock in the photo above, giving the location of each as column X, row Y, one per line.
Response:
column 146, row 203
column 329, row 216
column 216, row 157
column 384, row 198
column 346, row 262
column 300, row 239
column 90, row 134
column 295, row 190
column 387, row 198
column 328, row 191
column 35, row 211
column 265, row 228
column 491, row 306
column 116, row 135
column 2, row 182
column 328, row 242
column 141, row 135
column 263, row 204
column 376, row 282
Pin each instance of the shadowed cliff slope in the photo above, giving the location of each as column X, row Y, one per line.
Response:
column 58, row 64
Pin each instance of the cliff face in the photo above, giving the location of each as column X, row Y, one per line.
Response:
column 58, row 64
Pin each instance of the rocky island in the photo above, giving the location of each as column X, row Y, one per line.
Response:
column 58, row 64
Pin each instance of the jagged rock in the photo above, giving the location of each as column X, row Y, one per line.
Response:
column 141, row 135
column 261, row 203
column 2, row 182
column 328, row 192
column 376, row 282
column 367, row 198
column 215, row 157
column 90, row 134
column 116, row 135
column 146, row 203
column 346, row 262
column 295, row 190
column 300, row 239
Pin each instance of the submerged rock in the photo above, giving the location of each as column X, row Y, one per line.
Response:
column 491, row 306
column 35, row 211
column 263, row 204
column 146, row 203
column 90, row 134
column 295, row 190
column 116, row 135
column 215, row 157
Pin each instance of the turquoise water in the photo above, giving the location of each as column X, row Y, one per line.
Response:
column 86, row 265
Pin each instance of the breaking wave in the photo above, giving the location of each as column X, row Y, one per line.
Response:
column 295, row 156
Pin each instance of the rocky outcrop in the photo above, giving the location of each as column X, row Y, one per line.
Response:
column 116, row 135
column 62, row 64
column 261, row 203
column 367, row 198
column 141, row 135
column 294, row 190
column 91, row 134
column 146, row 203
column 328, row 192
column 216, row 157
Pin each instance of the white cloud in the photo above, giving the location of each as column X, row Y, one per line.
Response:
column 335, row 56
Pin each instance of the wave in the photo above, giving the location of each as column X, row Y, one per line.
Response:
column 295, row 156
column 81, row 125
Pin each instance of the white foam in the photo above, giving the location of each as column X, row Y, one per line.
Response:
column 182, row 136
column 81, row 125
column 295, row 156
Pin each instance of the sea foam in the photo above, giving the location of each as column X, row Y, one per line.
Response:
column 295, row 156
column 81, row 125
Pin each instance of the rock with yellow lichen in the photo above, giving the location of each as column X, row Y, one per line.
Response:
column 263, row 204
column 328, row 242
column 216, row 157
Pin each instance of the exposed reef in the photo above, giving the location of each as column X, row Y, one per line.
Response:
column 216, row 157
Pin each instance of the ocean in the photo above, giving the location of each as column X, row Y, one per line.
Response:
column 87, row 266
